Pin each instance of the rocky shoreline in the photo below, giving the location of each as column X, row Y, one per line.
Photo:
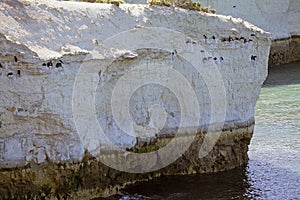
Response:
column 91, row 179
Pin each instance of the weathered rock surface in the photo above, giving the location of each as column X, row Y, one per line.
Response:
column 45, row 43
column 285, row 51
column 279, row 17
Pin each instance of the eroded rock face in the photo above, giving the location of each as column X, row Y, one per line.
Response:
column 48, row 48
column 285, row 51
column 280, row 18
column 91, row 178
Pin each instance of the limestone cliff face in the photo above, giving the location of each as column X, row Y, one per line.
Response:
column 280, row 18
column 45, row 43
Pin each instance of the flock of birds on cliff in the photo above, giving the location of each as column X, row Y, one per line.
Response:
column 228, row 40
column 59, row 64
column 50, row 65
column 11, row 75
column 17, row 74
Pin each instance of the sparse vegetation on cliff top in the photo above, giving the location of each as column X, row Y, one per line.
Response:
column 186, row 4
column 115, row 2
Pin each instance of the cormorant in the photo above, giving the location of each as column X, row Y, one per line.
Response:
column 58, row 65
column 49, row 64
column 253, row 57
column 10, row 75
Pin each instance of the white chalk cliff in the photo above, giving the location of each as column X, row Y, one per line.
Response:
column 45, row 43
column 279, row 17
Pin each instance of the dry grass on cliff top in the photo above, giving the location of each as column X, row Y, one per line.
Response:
column 186, row 4
column 115, row 2
column 183, row 4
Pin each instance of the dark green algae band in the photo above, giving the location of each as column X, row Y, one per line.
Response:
column 91, row 179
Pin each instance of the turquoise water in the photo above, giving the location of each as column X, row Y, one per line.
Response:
column 277, row 132
column 274, row 166
column 273, row 171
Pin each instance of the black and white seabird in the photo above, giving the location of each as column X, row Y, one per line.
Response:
column 49, row 64
column 174, row 53
column 253, row 57
column 16, row 59
column 19, row 73
column 58, row 65
column 233, row 10
column 10, row 75
column 205, row 38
